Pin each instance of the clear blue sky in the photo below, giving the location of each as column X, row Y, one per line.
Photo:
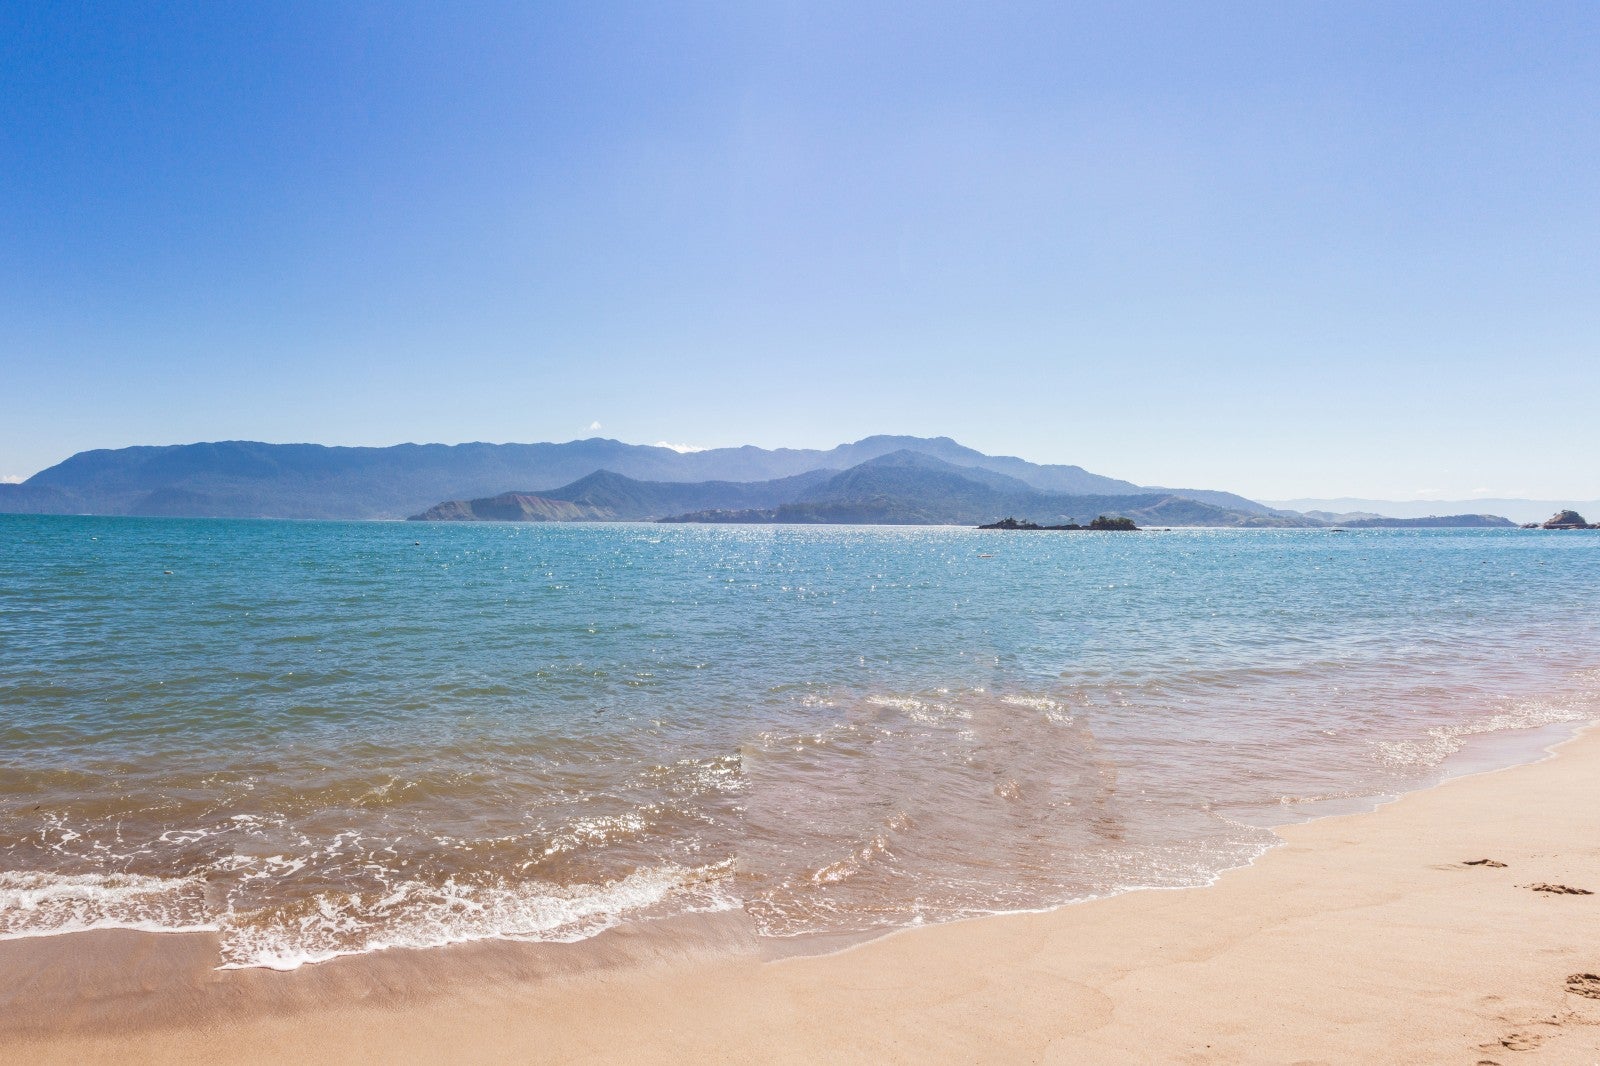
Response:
column 1281, row 248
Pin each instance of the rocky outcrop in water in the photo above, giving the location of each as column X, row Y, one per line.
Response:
column 1563, row 520
column 1100, row 523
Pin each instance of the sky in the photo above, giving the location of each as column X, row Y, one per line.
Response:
column 1287, row 249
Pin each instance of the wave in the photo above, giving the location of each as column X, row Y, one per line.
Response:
column 37, row 903
column 1442, row 741
column 330, row 925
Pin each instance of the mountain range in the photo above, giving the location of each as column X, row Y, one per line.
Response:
column 243, row 479
column 904, row 487
column 880, row 479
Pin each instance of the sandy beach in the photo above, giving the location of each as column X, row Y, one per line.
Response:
column 699, row 533
column 1379, row 937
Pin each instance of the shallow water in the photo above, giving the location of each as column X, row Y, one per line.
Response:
column 325, row 738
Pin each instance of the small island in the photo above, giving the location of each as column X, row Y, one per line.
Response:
column 1118, row 524
column 1562, row 520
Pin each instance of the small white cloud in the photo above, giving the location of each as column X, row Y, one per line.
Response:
column 594, row 425
column 1481, row 492
column 679, row 448
column 11, row 479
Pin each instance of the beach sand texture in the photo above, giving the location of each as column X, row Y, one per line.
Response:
column 1369, row 938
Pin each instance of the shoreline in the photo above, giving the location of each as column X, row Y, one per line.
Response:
column 1360, row 937
column 1486, row 752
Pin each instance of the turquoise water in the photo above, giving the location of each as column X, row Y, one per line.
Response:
column 324, row 738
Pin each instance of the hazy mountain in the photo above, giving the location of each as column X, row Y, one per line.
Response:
column 910, row 488
column 626, row 498
column 609, row 496
column 1518, row 511
column 903, row 487
column 1228, row 501
column 1335, row 517
column 512, row 507
column 251, row 479
column 1449, row 521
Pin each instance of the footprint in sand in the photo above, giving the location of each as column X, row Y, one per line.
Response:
column 1484, row 862
column 1521, row 1041
column 1584, row 984
column 1559, row 890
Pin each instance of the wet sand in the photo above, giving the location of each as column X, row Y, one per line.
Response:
column 1365, row 938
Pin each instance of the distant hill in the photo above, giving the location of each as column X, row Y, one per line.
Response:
column 626, row 498
column 1515, row 510
column 249, row 479
column 902, row 488
column 1449, row 521
column 1228, row 501
column 608, row 496
column 910, row 488
column 512, row 507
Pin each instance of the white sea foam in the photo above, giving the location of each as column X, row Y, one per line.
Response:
column 410, row 915
column 909, row 705
column 1443, row 741
column 595, row 832
column 415, row 915
column 920, row 711
column 1051, row 709
column 45, row 904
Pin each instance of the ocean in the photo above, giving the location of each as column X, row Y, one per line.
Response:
column 319, row 739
